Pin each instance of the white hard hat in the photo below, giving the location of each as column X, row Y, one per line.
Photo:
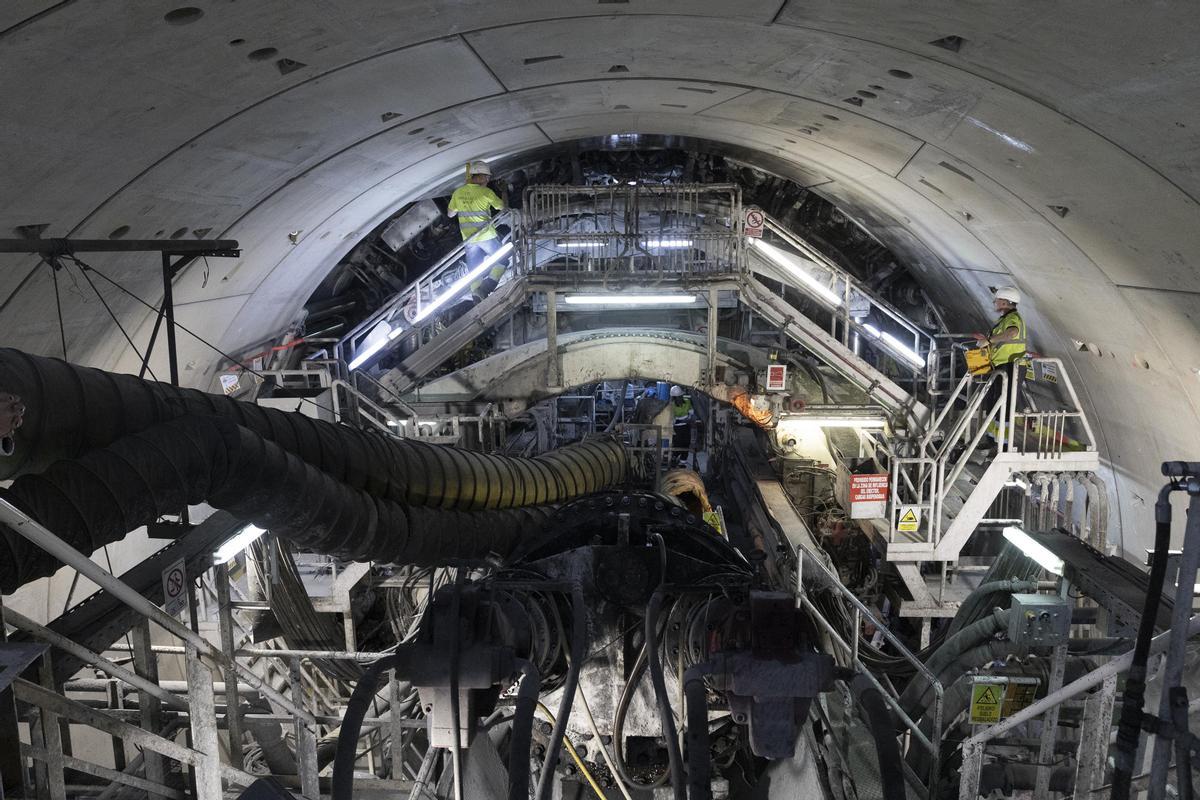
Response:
column 676, row 391
column 480, row 168
column 1008, row 293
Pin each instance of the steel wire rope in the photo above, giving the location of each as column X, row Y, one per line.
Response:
column 84, row 267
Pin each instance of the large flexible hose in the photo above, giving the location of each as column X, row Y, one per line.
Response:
column 967, row 638
column 342, row 782
column 521, row 738
column 71, row 410
column 879, row 720
column 100, row 497
column 666, row 716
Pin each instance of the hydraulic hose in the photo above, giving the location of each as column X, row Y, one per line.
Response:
column 653, row 609
column 698, row 743
column 883, row 731
column 99, row 498
column 951, row 649
column 578, row 653
column 347, row 741
column 1130, row 725
column 521, row 739
column 71, row 410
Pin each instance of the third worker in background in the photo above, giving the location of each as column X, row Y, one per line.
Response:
column 473, row 204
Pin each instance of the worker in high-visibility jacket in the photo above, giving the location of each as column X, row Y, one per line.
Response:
column 683, row 419
column 473, row 204
column 1006, row 344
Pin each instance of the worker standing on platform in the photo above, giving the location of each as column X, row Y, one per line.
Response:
column 683, row 418
column 1006, row 344
column 473, row 204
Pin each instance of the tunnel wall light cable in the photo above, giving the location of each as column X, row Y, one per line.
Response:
column 240, row 541
column 778, row 256
column 629, row 299
column 1035, row 550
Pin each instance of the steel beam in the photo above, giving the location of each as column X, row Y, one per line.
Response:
column 203, row 718
column 146, row 666
column 104, row 773
column 217, row 248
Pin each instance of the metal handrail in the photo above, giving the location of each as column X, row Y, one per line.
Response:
column 845, row 284
column 973, row 748
column 349, row 343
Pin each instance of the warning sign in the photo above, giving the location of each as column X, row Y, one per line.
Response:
column 1019, row 694
column 868, row 496
column 986, row 702
column 174, row 580
column 776, row 377
column 910, row 519
column 754, row 222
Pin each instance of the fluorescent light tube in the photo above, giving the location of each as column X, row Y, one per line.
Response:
column 838, row 422
column 629, row 299
column 462, row 283
column 240, row 541
column 776, row 255
column 1038, row 552
column 374, row 347
column 668, row 243
column 895, row 345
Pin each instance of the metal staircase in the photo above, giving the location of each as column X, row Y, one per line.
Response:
column 945, row 481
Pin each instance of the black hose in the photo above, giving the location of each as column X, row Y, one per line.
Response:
column 970, row 636
column 871, row 704
column 579, row 640
column 653, row 609
column 71, row 410
column 521, row 738
column 99, row 498
column 1130, row 725
column 1011, row 778
column 347, row 742
column 698, row 743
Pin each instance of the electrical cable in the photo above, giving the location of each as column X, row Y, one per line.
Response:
column 583, row 770
column 666, row 715
column 600, row 744
column 521, row 737
column 455, row 649
column 578, row 650
column 346, row 752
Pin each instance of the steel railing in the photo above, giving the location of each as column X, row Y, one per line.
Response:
column 405, row 313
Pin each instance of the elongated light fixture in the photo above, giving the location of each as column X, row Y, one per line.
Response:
column 1035, row 550
column 776, row 255
column 896, row 345
column 668, row 243
column 629, row 299
column 836, row 422
column 463, row 282
column 240, row 541
column 374, row 347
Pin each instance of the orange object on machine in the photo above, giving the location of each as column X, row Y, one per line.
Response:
column 740, row 399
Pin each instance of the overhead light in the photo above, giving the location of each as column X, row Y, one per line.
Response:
column 632, row 183
column 1017, row 483
column 1035, row 550
column 240, row 541
column 837, row 422
column 780, row 258
column 629, row 299
column 462, row 283
column 896, row 345
column 377, row 343
column 567, row 243
column 668, row 243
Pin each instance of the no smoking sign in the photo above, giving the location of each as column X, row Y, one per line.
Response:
column 755, row 218
column 174, row 580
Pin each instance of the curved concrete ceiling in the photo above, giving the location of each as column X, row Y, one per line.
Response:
column 1053, row 146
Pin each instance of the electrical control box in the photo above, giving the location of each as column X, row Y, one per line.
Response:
column 1039, row 620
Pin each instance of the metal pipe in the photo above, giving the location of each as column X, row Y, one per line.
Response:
column 29, row 528
column 60, row 247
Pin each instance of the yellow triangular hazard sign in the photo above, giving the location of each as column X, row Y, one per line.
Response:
column 909, row 516
column 987, row 698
